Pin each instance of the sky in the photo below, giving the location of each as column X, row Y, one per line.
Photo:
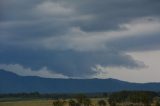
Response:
column 103, row 39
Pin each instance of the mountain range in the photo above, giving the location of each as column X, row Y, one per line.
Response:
column 13, row 83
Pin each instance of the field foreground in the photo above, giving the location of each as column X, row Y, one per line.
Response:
column 123, row 98
column 28, row 103
column 38, row 103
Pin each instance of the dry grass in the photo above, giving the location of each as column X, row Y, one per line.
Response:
column 37, row 103
column 28, row 103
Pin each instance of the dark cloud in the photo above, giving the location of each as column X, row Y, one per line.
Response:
column 109, row 14
column 69, row 63
column 136, row 43
column 26, row 24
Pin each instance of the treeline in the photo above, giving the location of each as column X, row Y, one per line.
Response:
column 35, row 95
column 80, row 100
column 51, row 95
column 123, row 98
column 144, row 97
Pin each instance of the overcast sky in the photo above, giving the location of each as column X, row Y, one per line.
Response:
column 81, row 39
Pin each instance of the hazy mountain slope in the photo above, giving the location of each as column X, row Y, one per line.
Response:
column 10, row 83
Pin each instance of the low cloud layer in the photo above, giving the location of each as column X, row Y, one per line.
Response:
column 20, row 70
column 69, row 63
column 73, row 37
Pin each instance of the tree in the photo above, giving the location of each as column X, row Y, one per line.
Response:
column 80, row 98
column 83, row 100
column 58, row 103
column 102, row 103
column 87, row 102
column 145, row 97
column 112, row 104
column 72, row 103
column 156, row 101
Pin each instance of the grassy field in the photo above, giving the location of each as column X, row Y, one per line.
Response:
column 36, row 103
column 123, row 98
column 28, row 103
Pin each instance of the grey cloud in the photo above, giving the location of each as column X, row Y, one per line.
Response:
column 105, row 15
column 109, row 14
column 69, row 63
column 23, row 30
column 136, row 43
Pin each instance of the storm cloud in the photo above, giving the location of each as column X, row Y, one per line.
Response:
column 73, row 37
